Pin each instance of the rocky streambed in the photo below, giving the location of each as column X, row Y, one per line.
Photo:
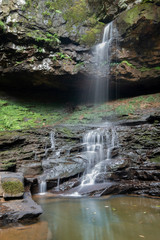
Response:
column 57, row 155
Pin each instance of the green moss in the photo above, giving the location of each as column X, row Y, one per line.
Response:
column 28, row 4
column 157, row 68
column 44, row 37
column 2, row 26
column 127, row 63
column 8, row 164
column 90, row 37
column 14, row 187
column 22, row 115
column 145, row 9
column 66, row 131
column 48, row 4
column 131, row 15
column 142, row 69
column 77, row 12
column 155, row 159
column 46, row 13
column 60, row 56
column 49, row 23
column 147, row 1
column 18, row 63
column 120, row 107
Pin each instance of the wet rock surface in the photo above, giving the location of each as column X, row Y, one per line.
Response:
column 135, row 160
column 18, row 210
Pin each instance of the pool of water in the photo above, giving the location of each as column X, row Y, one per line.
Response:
column 114, row 218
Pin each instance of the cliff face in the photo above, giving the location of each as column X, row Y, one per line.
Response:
column 139, row 52
column 46, row 43
column 40, row 41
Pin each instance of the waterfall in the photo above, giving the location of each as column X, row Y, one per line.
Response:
column 102, row 65
column 100, row 142
column 52, row 139
column 98, row 145
column 42, row 180
column 42, row 187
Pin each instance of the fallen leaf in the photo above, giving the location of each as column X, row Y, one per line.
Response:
column 141, row 236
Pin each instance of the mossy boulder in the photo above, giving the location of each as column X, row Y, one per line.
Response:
column 11, row 185
column 148, row 12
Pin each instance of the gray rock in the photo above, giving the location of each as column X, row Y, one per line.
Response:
column 63, row 167
column 13, row 211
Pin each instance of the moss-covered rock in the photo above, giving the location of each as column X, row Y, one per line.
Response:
column 146, row 11
column 12, row 187
column 11, row 184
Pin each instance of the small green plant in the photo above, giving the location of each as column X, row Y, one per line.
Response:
column 61, row 55
column 14, row 187
column 49, row 38
column 18, row 63
column 79, row 65
column 40, row 50
column 48, row 4
column 54, row 58
column 58, row 11
column 46, row 13
column 127, row 63
column 28, row 4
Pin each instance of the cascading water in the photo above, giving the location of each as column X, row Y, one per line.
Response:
column 42, row 187
column 102, row 62
column 52, row 139
column 42, row 180
column 99, row 144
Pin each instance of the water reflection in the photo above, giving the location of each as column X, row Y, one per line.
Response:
column 120, row 218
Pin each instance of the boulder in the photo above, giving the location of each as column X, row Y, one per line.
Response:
column 11, row 185
column 13, row 211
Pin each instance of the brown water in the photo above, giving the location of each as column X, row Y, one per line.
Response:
column 118, row 218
